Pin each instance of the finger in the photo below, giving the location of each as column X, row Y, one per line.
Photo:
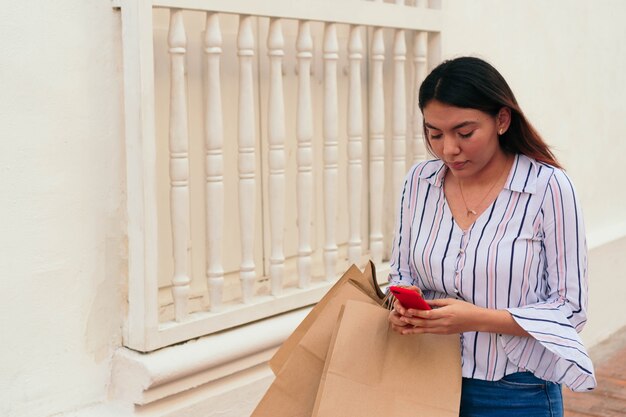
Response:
column 424, row 330
column 399, row 308
column 396, row 328
column 441, row 302
column 396, row 319
column 415, row 322
column 419, row 290
column 423, row 314
column 415, row 330
column 399, row 328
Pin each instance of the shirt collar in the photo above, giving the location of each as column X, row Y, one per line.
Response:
column 522, row 177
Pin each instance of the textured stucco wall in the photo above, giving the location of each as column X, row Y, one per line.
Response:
column 61, row 181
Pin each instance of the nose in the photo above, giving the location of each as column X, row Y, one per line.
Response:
column 450, row 146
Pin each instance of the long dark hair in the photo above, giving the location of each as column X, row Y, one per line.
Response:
column 470, row 82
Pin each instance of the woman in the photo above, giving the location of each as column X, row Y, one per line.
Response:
column 491, row 233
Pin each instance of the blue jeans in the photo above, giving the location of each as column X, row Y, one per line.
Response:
column 519, row 394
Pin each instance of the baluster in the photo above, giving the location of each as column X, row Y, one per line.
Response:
column 214, row 164
column 246, row 138
column 420, row 50
column 331, row 145
column 179, row 164
column 399, row 111
column 276, row 136
column 355, row 137
column 377, row 145
column 304, row 132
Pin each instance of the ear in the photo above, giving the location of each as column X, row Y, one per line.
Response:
column 503, row 120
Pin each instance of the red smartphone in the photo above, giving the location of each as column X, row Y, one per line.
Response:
column 409, row 298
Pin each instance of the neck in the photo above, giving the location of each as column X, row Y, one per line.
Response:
column 474, row 202
column 490, row 173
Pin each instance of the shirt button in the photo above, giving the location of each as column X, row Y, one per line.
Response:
column 456, row 291
column 461, row 250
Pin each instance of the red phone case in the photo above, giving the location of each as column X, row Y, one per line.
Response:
column 409, row 298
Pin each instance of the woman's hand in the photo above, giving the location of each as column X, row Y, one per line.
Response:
column 395, row 315
column 450, row 316
column 397, row 324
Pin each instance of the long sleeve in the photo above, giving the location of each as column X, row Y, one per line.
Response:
column 555, row 351
column 399, row 269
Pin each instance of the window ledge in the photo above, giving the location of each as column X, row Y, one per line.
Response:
column 142, row 378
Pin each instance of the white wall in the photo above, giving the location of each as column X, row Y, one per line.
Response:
column 62, row 247
column 62, row 215
column 566, row 63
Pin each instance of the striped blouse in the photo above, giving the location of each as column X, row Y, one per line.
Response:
column 526, row 253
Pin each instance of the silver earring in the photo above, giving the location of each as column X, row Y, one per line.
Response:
column 501, row 132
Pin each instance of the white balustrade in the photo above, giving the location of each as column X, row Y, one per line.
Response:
column 355, row 138
column 318, row 246
column 246, row 137
column 179, row 165
column 276, row 137
column 331, row 148
column 377, row 145
column 304, row 134
column 214, row 162
column 399, row 112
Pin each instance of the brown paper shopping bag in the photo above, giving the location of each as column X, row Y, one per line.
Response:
column 371, row 371
column 299, row 362
column 365, row 280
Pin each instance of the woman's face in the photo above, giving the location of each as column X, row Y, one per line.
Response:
column 466, row 140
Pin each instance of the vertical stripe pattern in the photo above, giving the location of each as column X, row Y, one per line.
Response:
column 526, row 253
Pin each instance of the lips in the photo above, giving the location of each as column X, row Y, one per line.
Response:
column 457, row 165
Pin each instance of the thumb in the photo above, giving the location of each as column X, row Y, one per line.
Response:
column 440, row 302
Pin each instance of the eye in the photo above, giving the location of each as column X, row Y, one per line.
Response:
column 435, row 136
column 466, row 135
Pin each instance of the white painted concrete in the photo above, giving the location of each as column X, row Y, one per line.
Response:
column 62, row 239
column 142, row 379
column 62, row 248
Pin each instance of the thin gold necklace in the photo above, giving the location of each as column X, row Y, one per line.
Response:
column 471, row 211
